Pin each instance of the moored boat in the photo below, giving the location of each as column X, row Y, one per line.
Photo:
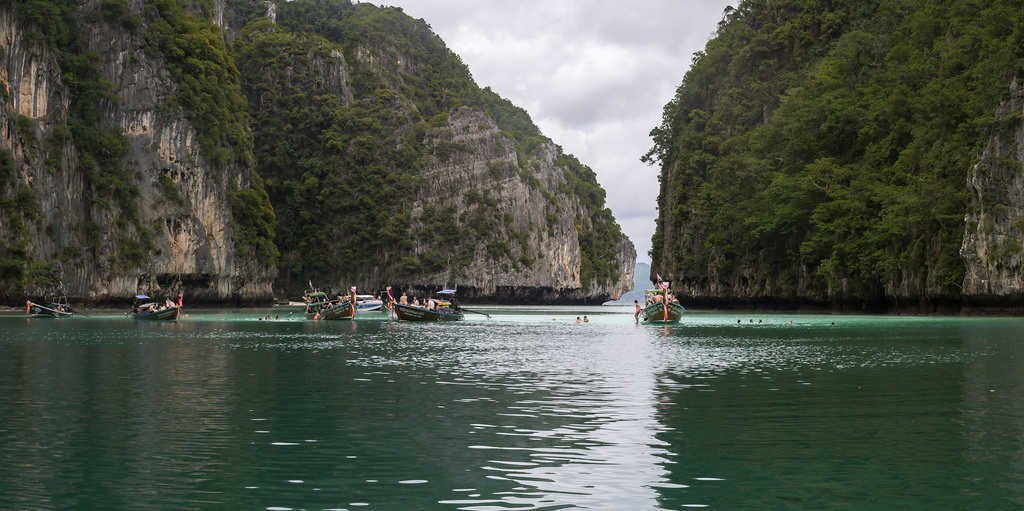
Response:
column 314, row 300
column 146, row 308
column 339, row 309
column 442, row 309
column 369, row 303
column 661, row 306
column 57, row 308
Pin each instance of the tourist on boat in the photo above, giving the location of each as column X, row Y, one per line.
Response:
column 404, row 300
column 431, row 304
column 415, row 301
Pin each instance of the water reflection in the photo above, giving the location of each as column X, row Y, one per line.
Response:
column 528, row 411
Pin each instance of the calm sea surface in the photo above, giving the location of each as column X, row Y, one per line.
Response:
column 526, row 410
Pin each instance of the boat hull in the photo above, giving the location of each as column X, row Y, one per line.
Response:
column 47, row 311
column 370, row 307
column 660, row 313
column 168, row 314
column 340, row 311
column 413, row 313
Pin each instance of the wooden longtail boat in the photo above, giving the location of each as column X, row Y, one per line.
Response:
column 338, row 309
column 168, row 314
column 444, row 309
column 663, row 309
column 314, row 300
column 416, row 313
column 59, row 308
column 152, row 311
column 662, row 313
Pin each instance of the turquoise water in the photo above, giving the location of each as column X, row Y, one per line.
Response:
column 526, row 410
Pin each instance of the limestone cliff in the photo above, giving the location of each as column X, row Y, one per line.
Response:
column 519, row 229
column 993, row 246
column 109, row 188
column 390, row 166
column 166, row 146
column 816, row 153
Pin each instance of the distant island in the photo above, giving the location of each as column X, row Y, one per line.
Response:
column 641, row 282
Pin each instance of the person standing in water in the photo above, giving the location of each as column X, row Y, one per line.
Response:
column 636, row 313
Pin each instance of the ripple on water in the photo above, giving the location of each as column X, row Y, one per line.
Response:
column 533, row 416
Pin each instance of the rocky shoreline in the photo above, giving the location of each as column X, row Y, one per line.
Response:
column 993, row 306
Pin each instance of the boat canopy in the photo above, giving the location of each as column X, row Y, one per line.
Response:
column 446, row 292
column 142, row 297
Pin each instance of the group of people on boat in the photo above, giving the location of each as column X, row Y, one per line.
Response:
column 153, row 306
column 428, row 303
column 653, row 298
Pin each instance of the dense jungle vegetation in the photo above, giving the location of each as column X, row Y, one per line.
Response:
column 337, row 164
column 820, row 149
column 321, row 121
column 196, row 57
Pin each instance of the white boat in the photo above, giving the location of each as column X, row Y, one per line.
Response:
column 368, row 303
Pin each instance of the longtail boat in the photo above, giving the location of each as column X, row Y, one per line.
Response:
column 338, row 309
column 146, row 309
column 663, row 308
column 314, row 300
column 444, row 309
column 56, row 308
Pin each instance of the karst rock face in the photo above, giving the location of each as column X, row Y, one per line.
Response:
column 138, row 139
column 844, row 155
column 418, row 177
column 540, row 259
column 162, row 222
column 993, row 246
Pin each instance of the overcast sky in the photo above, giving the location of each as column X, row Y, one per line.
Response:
column 593, row 74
